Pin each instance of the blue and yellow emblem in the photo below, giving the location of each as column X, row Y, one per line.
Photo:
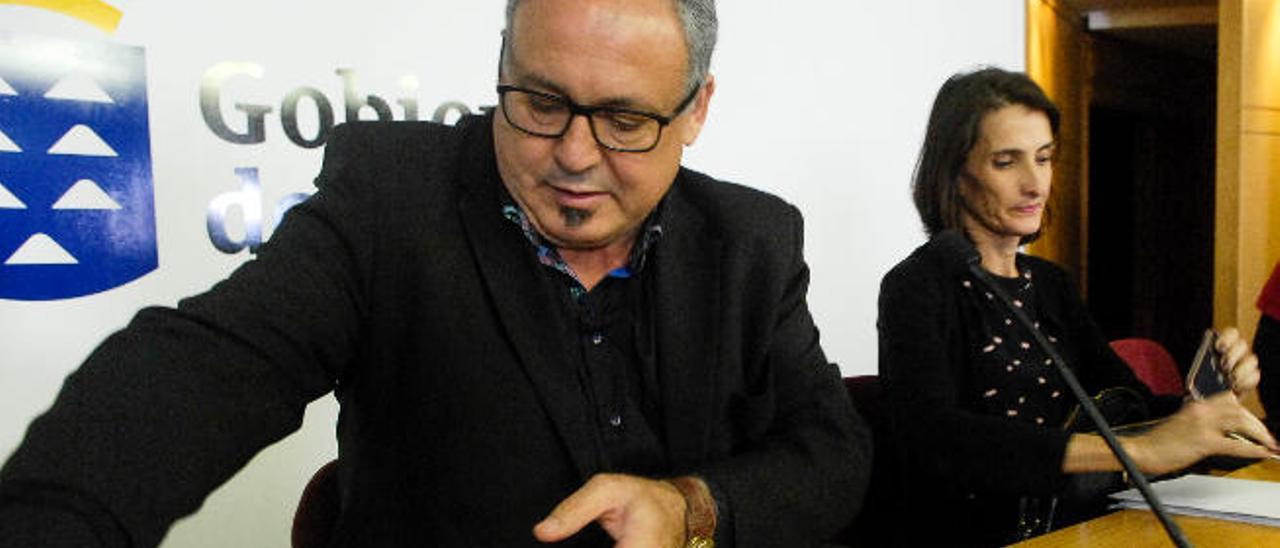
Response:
column 77, row 213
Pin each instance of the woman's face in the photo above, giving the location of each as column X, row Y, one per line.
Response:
column 1005, row 182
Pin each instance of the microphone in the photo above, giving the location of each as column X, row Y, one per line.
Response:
column 956, row 247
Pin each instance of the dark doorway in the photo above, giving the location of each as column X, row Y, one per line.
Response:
column 1151, row 192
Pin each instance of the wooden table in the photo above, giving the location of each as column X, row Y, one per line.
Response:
column 1140, row 528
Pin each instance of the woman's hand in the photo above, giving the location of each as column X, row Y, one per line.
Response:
column 1237, row 363
column 1200, row 429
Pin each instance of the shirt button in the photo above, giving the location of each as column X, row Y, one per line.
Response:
column 596, row 339
column 615, row 421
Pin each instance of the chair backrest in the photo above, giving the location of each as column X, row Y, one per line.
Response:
column 1152, row 364
column 318, row 509
column 864, row 390
column 875, row 523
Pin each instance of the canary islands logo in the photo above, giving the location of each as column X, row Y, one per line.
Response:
column 77, row 213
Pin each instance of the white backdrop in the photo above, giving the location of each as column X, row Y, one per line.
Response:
column 821, row 102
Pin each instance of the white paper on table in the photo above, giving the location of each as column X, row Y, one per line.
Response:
column 1249, row 501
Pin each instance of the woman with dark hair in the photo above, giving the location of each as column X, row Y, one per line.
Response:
column 976, row 409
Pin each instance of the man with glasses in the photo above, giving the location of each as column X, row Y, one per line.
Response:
column 534, row 321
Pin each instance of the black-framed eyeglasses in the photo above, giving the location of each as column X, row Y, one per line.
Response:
column 548, row 115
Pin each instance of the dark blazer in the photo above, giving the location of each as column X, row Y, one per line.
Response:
column 400, row 286
column 1266, row 344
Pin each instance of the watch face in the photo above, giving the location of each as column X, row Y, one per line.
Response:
column 1205, row 378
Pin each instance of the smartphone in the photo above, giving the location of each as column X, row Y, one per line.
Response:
column 1205, row 377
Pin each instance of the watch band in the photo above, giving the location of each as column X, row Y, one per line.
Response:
column 700, row 511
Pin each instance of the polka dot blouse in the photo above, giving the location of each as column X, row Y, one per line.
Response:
column 1013, row 377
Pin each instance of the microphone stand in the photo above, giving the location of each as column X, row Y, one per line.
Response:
column 1139, row 480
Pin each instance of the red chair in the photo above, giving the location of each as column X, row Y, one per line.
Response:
column 878, row 519
column 1152, row 364
column 864, row 390
column 318, row 509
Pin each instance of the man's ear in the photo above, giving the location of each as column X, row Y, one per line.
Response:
column 698, row 116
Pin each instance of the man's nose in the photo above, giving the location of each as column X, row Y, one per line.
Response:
column 577, row 150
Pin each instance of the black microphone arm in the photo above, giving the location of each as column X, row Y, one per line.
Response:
column 1135, row 475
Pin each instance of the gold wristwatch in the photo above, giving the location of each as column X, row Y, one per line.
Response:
column 700, row 511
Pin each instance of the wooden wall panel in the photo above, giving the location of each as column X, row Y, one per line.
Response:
column 1248, row 194
column 1058, row 60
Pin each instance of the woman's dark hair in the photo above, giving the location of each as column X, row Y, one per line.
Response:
column 953, row 130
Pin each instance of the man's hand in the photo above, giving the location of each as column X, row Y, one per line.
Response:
column 637, row 512
column 1238, row 364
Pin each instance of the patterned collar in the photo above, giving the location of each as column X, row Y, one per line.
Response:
column 548, row 255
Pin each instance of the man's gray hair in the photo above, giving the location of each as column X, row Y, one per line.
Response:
column 700, row 28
